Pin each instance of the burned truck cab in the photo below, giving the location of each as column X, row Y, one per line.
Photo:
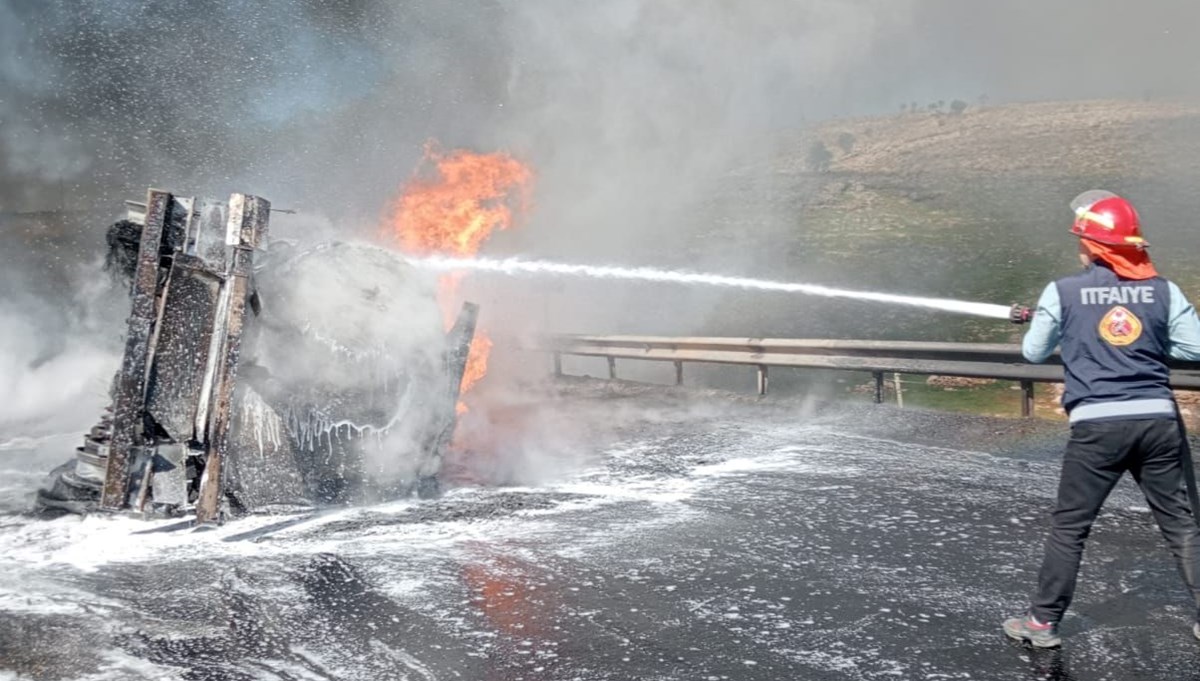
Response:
column 319, row 375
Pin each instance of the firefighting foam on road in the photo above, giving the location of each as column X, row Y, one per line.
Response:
column 682, row 537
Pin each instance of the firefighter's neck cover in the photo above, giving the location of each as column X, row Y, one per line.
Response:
column 1127, row 261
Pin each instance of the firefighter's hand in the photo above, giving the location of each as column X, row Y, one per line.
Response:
column 1019, row 314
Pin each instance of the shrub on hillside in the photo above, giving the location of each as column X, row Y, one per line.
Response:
column 845, row 142
column 819, row 157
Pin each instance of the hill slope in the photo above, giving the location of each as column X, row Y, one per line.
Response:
column 972, row 206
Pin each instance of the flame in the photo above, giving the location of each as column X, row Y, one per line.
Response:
column 456, row 209
column 476, row 369
column 451, row 205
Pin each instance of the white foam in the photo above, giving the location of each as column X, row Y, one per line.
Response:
column 41, row 597
column 406, row 659
column 89, row 543
column 117, row 665
column 653, row 490
column 516, row 266
column 86, row 544
column 781, row 460
column 24, row 442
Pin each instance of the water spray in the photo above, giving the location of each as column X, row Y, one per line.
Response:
column 518, row 266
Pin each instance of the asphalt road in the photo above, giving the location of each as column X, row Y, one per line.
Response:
column 657, row 536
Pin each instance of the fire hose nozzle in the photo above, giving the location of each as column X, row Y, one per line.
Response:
column 1020, row 314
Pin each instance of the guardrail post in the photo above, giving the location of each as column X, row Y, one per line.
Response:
column 1027, row 398
column 678, row 373
column 762, row 380
column 878, row 376
column 558, row 365
column 612, row 368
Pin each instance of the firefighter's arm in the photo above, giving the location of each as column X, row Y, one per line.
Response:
column 1045, row 328
column 1184, row 327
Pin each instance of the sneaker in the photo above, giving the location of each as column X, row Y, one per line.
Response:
column 1039, row 635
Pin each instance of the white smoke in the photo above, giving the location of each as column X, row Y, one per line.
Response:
column 57, row 359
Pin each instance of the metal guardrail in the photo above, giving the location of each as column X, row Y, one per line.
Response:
column 971, row 360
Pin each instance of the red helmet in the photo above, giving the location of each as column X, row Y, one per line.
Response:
column 1107, row 218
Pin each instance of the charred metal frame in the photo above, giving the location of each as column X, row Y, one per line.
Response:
column 176, row 436
column 248, row 217
column 458, row 351
column 129, row 398
column 131, row 460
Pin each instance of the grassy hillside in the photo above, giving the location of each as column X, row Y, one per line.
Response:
column 970, row 205
column 1069, row 139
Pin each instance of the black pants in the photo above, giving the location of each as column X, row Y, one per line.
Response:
column 1097, row 455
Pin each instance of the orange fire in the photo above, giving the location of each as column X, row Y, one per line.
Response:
column 452, row 204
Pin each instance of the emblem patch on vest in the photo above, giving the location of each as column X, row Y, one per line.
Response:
column 1120, row 326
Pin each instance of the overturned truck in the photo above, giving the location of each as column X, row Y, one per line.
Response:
column 256, row 378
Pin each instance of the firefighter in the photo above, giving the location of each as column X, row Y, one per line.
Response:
column 1116, row 323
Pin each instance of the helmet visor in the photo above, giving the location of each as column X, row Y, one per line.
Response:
column 1086, row 200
